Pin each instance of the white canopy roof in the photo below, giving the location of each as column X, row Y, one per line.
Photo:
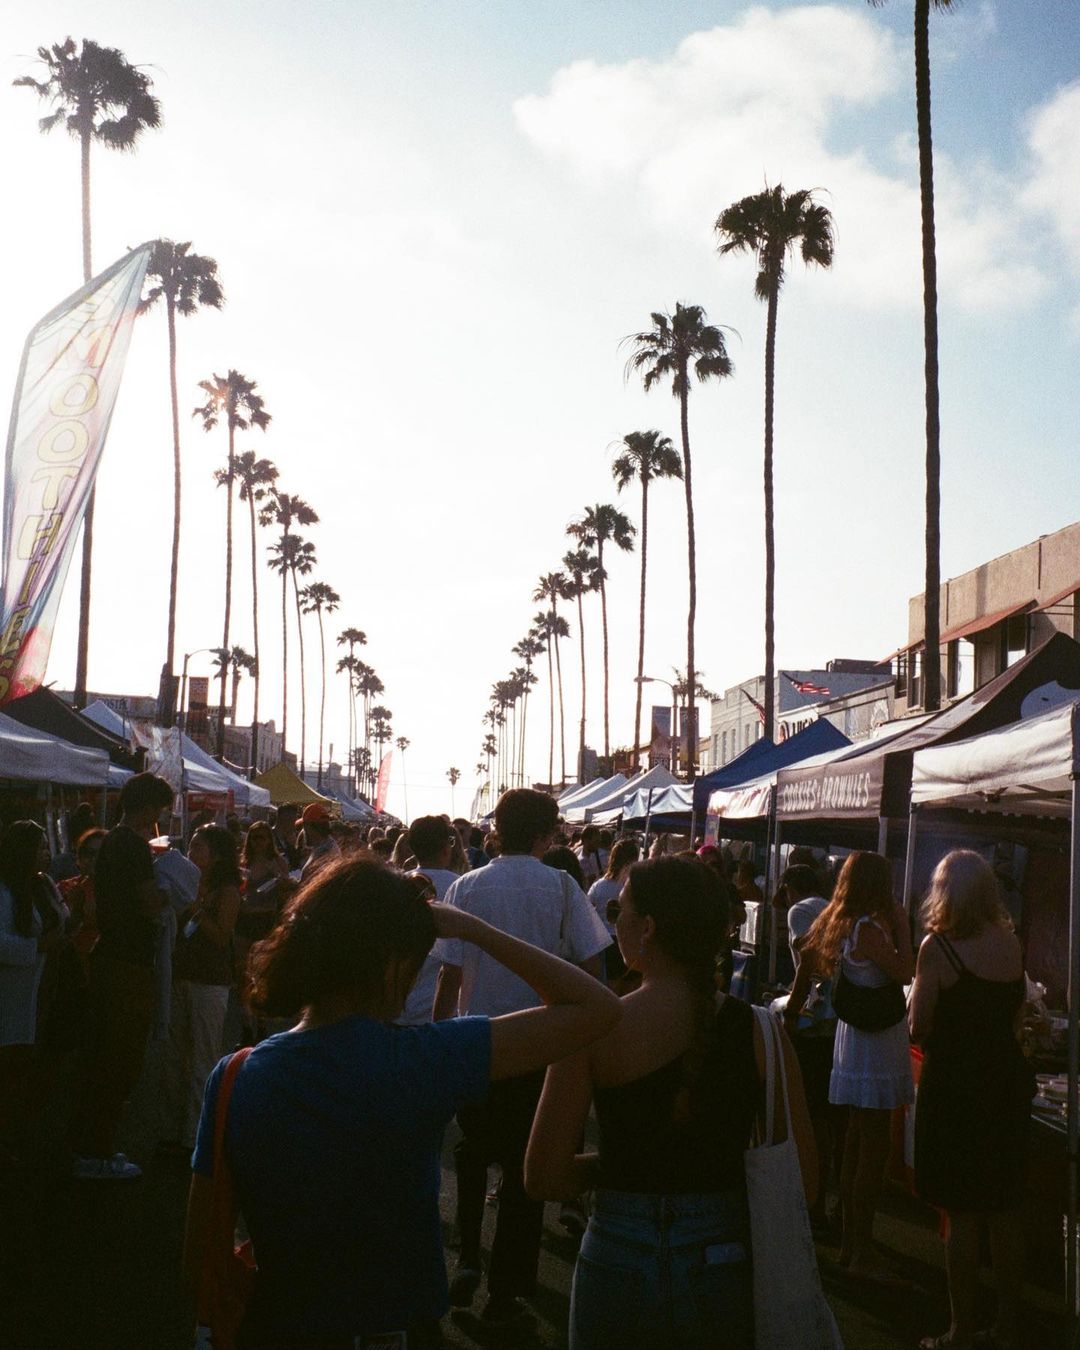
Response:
column 1025, row 768
column 32, row 756
column 570, row 788
column 575, row 809
column 571, row 794
column 201, row 772
column 611, row 806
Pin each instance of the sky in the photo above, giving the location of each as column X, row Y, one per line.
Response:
column 435, row 224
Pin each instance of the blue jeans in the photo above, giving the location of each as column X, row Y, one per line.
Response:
column 662, row 1271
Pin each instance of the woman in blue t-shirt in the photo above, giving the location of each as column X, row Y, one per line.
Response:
column 335, row 1128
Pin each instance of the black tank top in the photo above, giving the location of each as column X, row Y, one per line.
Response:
column 658, row 1138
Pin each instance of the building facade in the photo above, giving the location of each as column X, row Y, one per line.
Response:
column 992, row 616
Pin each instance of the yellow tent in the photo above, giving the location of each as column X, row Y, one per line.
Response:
column 287, row 787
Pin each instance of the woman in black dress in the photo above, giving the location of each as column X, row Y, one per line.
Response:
column 974, row 1105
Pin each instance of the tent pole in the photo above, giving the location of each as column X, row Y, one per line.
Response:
column 774, row 918
column 909, row 855
column 883, row 835
column 648, row 818
column 1073, row 1107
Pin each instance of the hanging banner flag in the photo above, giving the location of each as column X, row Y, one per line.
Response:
column 382, row 783
column 64, row 399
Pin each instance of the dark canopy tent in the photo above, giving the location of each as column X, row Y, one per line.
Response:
column 45, row 711
column 765, row 756
column 855, row 792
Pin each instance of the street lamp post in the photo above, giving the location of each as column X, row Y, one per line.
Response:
column 674, row 737
column 182, row 717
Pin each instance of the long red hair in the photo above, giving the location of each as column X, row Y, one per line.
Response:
column 863, row 890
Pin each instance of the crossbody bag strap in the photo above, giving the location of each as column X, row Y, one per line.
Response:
column 221, row 1113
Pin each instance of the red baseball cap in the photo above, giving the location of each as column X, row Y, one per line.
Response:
column 315, row 811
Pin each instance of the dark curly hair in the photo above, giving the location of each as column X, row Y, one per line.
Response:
column 337, row 936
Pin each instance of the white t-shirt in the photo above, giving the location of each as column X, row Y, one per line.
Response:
column 800, row 919
column 421, row 998
column 593, row 864
column 520, row 895
column 600, row 893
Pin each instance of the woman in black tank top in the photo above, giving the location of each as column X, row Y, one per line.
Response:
column 666, row 1259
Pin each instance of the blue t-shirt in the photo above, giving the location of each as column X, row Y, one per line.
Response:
column 334, row 1136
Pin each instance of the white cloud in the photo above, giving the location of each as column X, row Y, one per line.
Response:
column 1054, row 143
column 763, row 98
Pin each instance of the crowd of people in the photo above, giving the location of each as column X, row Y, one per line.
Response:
column 522, row 980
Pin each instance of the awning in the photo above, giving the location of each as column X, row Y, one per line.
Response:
column 34, row 757
column 1059, row 596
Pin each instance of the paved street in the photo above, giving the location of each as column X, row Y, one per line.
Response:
column 95, row 1268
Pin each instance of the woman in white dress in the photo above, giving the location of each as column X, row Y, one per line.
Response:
column 863, row 937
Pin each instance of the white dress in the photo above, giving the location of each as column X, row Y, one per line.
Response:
column 21, row 965
column 870, row 1068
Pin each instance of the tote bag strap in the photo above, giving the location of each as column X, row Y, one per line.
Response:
column 774, row 1067
column 221, row 1114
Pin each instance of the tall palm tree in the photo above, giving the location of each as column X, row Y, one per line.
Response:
column 581, row 570
column 599, row 525
column 552, row 587
column 679, row 690
column 770, row 224
column 96, row 95
column 667, row 351
column 932, row 589
column 369, row 687
column 381, row 732
column 351, row 638
column 257, row 479
column 302, row 561
column 489, row 750
column 643, row 456
column 186, row 282
column 318, row 598
column 454, row 775
column 402, row 744
column 234, row 398
column 548, row 627
column 288, row 511
column 237, row 660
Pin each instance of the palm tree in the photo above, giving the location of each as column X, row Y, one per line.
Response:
column 319, row 598
column 287, row 511
column 237, row 660
column 597, row 526
column 932, row 589
column 402, row 744
column 301, row 561
column 454, row 775
column 351, row 638
column 380, row 730
column 186, row 282
column 368, row 686
column 257, row 479
column 679, row 692
column 581, row 577
column 552, row 587
column 770, row 224
column 489, row 749
column 96, row 95
column 234, row 398
column 643, row 456
column 675, row 343
column 548, row 627
column 529, row 648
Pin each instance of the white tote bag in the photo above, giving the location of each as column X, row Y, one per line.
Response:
column 790, row 1311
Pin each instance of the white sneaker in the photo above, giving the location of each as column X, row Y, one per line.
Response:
column 116, row 1168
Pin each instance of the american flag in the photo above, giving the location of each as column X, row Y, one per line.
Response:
column 804, row 686
column 759, row 706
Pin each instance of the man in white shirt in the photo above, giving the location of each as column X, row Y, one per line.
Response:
column 517, row 893
column 592, row 855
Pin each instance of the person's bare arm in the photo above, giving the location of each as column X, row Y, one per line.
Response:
column 196, row 1224
column 925, row 990
column 577, row 1007
column 889, row 950
column 805, row 971
column 554, row 1170
column 447, row 988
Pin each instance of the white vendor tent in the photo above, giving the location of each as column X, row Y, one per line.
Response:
column 201, row 772
column 31, row 756
column 610, row 807
column 571, row 794
column 574, row 810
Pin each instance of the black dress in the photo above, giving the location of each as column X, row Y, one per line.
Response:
column 974, row 1102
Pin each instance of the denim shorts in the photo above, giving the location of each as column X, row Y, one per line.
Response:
column 658, row 1271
